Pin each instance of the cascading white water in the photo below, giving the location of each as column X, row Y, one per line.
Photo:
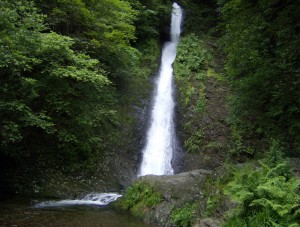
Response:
column 99, row 199
column 158, row 152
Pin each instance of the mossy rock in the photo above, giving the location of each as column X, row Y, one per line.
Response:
column 153, row 198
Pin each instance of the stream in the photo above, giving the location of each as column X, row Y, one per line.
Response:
column 25, row 212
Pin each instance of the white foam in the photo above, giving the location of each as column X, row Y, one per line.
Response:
column 98, row 199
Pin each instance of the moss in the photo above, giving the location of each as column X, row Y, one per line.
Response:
column 139, row 198
column 212, row 73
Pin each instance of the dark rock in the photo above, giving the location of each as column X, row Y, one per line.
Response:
column 207, row 222
column 295, row 166
column 177, row 190
column 182, row 186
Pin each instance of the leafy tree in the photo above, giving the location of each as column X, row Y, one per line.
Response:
column 103, row 29
column 53, row 100
column 261, row 41
column 66, row 16
column 152, row 19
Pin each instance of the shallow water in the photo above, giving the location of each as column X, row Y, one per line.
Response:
column 20, row 212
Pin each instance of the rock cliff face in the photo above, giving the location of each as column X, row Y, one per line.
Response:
column 202, row 103
column 215, row 132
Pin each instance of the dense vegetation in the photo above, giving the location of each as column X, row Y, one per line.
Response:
column 191, row 75
column 266, row 195
column 48, row 91
column 70, row 70
column 260, row 41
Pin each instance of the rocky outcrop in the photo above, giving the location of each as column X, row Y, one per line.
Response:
column 176, row 190
column 179, row 188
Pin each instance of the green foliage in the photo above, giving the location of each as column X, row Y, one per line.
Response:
column 239, row 146
column 275, row 153
column 68, row 71
column 53, row 100
column 139, row 197
column 185, row 215
column 213, row 190
column 213, row 202
column 150, row 51
column 152, row 16
column 103, row 29
column 195, row 141
column 191, row 54
column 20, row 24
column 266, row 196
column 236, row 221
column 191, row 74
column 262, row 48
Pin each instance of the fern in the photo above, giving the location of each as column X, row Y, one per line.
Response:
column 266, row 196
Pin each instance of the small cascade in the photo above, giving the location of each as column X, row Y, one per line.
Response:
column 161, row 137
column 98, row 199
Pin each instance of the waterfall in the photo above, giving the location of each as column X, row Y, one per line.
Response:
column 161, row 138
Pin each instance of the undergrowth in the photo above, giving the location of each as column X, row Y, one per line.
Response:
column 266, row 194
column 191, row 74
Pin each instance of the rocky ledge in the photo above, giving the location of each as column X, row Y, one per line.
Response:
column 162, row 199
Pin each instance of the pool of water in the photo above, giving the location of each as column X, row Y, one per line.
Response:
column 21, row 212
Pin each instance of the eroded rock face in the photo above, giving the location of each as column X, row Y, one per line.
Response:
column 176, row 190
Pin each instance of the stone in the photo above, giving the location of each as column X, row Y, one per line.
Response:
column 207, row 222
column 177, row 190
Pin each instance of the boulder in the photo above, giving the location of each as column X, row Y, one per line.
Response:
column 181, row 187
column 176, row 190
